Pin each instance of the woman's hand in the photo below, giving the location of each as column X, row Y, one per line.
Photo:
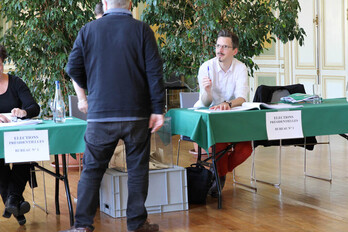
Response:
column 19, row 113
column 4, row 119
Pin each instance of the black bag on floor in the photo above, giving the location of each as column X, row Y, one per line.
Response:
column 199, row 181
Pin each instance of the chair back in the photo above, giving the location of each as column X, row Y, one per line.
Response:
column 74, row 110
column 269, row 94
column 188, row 99
column 278, row 94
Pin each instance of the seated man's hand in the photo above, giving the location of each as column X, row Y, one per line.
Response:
column 206, row 83
column 4, row 119
column 221, row 106
column 83, row 106
column 156, row 122
column 19, row 113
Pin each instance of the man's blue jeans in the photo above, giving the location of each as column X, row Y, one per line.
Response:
column 101, row 140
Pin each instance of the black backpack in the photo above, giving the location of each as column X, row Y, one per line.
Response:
column 199, row 181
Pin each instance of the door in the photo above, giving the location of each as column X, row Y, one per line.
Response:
column 323, row 58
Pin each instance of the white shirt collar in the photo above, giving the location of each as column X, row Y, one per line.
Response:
column 219, row 69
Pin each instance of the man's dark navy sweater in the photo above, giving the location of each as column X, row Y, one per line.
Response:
column 116, row 58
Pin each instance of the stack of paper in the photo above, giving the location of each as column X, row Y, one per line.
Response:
column 299, row 97
column 22, row 122
column 252, row 106
column 18, row 122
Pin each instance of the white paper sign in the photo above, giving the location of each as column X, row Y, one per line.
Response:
column 26, row 146
column 284, row 125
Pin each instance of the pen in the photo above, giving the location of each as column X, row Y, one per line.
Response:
column 208, row 73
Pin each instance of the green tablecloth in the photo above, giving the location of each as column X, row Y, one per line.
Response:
column 63, row 137
column 330, row 117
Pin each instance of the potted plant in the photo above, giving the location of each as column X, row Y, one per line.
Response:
column 39, row 41
column 187, row 29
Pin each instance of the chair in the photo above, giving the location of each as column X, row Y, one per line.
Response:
column 74, row 110
column 33, row 184
column 187, row 100
column 273, row 94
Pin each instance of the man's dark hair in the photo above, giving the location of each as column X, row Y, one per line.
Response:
column 3, row 53
column 234, row 37
column 98, row 10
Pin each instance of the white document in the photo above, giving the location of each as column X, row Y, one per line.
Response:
column 26, row 146
column 284, row 125
column 10, row 117
column 252, row 106
column 21, row 122
column 261, row 105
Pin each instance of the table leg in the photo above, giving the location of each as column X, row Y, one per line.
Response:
column 67, row 190
column 64, row 178
column 217, row 179
column 199, row 156
column 56, row 161
column 166, row 106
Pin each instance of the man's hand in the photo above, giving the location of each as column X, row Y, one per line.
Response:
column 82, row 103
column 221, row 106
column 19, row 113
column 156, row 122
column 83, row 106
column 206, row 83
column 4, row 119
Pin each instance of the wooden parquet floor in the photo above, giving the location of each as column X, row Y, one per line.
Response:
column 301, row 204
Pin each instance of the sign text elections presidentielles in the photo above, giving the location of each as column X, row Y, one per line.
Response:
column 284, row 125
column 26, row 146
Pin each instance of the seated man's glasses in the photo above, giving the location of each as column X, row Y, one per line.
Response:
column 218, row 46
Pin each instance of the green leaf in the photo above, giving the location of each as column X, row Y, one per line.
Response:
column 39, row 41
column 188, row 29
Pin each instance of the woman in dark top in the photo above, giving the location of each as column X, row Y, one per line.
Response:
column 15, row 98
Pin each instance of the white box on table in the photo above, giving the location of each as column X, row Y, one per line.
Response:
column 167, row 192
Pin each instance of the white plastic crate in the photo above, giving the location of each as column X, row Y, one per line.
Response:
column 167, row 192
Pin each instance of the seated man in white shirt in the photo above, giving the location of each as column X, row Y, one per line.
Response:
column 223, row 83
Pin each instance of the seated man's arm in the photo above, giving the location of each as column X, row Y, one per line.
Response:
column 206, row 97
column 227, row 105
column 237, row 102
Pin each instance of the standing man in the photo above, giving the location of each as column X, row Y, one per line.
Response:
column 223, row 83
column 116, row 59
